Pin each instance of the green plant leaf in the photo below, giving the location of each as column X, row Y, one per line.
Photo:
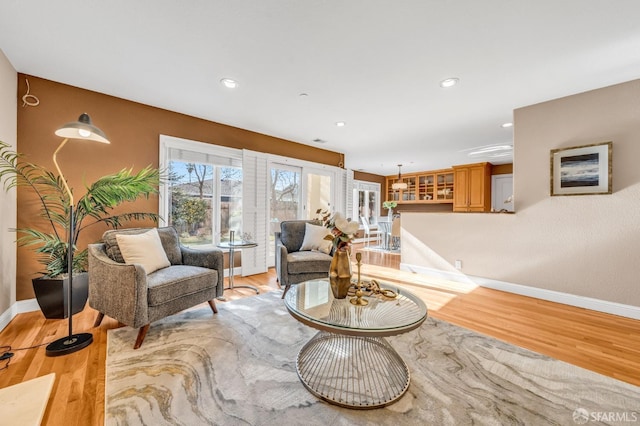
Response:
column 96, row 206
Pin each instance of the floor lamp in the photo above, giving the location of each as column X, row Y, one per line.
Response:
column 82, row 130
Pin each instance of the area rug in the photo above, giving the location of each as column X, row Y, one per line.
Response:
column 379, row 249
column 238, row 368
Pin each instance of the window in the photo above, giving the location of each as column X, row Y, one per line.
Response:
column 214, row 189
column 230, row 179
column 203, row 191
column 284, row 193
column 191, row 202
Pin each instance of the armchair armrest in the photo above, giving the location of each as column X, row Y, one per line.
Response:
column 211, row 259
column 281, row 261
column 116, row 289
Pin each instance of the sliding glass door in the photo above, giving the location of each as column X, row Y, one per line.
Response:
column 285, row 196
column 366, row 201
column 296, row 193
column 318, row 193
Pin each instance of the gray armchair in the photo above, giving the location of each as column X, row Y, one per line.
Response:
column 126, row 293
column 292, row 265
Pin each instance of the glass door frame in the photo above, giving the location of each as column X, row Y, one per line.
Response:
column 306, row 168
column 307, row 212
column 275, row 226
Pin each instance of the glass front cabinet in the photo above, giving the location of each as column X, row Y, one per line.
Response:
column 431, row 187
column 444, row 188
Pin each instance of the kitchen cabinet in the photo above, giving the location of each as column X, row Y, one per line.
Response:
column 429, row 187
column 472, row 187
column 445, row 186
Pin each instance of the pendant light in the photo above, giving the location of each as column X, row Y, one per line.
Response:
column 399, row 184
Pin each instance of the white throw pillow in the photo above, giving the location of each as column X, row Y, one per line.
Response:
column 144, row 249
column 314, row 239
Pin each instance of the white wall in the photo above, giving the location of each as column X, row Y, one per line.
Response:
column 8, row 134
column 586, row 245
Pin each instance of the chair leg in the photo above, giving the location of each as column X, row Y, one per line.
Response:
column 286, row 289
column 141, row 335
column 99, row 318
column 212, row 303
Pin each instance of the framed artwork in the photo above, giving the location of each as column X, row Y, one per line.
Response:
column 581, row 170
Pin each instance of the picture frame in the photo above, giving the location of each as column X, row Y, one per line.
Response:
column 582, row 170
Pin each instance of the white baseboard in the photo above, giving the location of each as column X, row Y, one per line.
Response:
column 19, row 307
column 7, row 316
column 28, row 305
column 599, row 305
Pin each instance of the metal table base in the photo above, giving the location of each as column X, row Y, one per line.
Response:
column 232, row 250
column 352, row 371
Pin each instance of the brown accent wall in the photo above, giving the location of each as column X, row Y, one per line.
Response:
column 502, row 169
column 369, row 177
column 134, row 131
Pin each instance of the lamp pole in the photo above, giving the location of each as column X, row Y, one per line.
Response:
column 82, row 129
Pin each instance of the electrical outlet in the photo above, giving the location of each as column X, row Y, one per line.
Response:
column 458, row 264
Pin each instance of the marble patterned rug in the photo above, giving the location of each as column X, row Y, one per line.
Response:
column 238, row 368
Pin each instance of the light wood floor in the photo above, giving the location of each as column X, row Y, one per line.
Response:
column 603, row 343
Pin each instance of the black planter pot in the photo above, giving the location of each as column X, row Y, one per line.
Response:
column 51, row 294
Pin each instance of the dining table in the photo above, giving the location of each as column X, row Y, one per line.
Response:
column 384, row 224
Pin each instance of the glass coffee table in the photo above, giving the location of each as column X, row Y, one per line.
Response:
column 348, row 362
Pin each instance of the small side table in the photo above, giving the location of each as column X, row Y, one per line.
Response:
column 232, row 246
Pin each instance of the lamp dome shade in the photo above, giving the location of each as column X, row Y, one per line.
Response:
column 82, row 129
column 399, row 185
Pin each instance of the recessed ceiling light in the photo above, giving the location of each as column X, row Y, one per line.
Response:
column 229, row 83
column 507, row 125
column 318, row 140
column 304, row 95
column 340, row 123
column 449, row 82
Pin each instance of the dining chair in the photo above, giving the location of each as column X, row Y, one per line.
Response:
column 369, row 231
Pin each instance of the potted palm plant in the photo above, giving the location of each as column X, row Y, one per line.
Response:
column 51, row 241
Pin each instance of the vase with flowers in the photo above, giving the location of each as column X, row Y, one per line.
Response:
column 390, row 205
column 343, row 231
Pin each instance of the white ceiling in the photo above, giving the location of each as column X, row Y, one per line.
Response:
column 374, row 64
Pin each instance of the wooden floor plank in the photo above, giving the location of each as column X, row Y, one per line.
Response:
column 604, row 343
